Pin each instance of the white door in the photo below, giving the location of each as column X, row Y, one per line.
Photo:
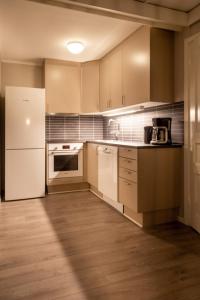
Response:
column 192, row 207
column 24, row 174
column 24, row 118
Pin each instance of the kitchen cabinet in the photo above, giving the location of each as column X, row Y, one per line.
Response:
column 139, row 71
column 90, row 87
column 148, row 66
column 136, row 67
column 104, row 84
column 150, row 182
column 116, row 78
column 92, row 165
column 62, row 84
column 111, row 80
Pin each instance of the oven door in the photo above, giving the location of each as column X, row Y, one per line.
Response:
column 65, row 164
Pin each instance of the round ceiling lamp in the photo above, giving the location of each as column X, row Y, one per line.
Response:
column 75, row 47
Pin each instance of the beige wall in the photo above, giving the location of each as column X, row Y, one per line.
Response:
column 14, row 74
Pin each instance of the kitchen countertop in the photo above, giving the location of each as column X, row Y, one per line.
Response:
column 64, row 141
column 135, row 144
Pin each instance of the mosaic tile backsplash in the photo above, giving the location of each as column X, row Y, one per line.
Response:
column 131, row 127
column 74, row 127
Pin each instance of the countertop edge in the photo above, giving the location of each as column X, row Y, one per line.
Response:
column 115, row 143
column 145, row 146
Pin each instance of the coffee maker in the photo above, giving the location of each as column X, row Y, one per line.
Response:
column 161, row 133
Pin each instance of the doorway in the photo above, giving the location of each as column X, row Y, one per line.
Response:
column 192, row 132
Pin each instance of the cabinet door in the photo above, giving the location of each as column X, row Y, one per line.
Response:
column 116, row 78
column 63, row 84
column 136, row 67
column 105, row 83
column 90, row 87
column 128, row 194
column 92, row 164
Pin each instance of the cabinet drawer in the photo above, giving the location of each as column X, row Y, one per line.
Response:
column 128, row 194
column 128, row 152
column 128, row 163
column 128, row 174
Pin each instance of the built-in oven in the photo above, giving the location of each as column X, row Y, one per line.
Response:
column 65, row 160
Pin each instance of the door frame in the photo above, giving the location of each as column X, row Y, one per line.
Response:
column 187, row 136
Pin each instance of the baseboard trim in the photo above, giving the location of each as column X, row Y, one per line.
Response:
column 64, row 192
column 132, row 220
column 93, row 192
column 182, row 220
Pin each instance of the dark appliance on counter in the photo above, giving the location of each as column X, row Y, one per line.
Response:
column 161, row 133
column 148, row 134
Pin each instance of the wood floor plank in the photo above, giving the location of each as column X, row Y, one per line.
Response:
column 74, row 246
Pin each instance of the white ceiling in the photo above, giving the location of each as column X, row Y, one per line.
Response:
column 32, row 31
column 182, row 5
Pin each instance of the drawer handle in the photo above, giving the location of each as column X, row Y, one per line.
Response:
column 129, row 150
column 128, row 161
column 129, row 172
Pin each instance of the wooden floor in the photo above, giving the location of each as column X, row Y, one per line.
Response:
column 74, row 246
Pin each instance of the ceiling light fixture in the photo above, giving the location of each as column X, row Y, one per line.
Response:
column 75, row 47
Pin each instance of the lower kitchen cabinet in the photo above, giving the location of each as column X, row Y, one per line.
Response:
column 128, row 193
column 92, row 165
column 150, row 184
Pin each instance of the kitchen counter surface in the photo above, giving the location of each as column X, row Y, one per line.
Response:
column 64, row 141
column 135, row 144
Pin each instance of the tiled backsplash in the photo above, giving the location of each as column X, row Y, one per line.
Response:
column 74, row 127
column 131, row 127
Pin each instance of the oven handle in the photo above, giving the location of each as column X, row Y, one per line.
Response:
column 64, row 152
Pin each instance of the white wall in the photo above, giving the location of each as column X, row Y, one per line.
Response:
column 179, row 59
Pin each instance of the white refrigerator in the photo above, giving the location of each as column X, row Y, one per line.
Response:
column 24, row 143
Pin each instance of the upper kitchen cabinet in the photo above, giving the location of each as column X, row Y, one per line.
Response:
column 104, row 83
column 140, row 70
column 116, row 78
column 62, row 83
column 148, row 66
column 111, row 80
column 136, row 67
column 90, row 87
